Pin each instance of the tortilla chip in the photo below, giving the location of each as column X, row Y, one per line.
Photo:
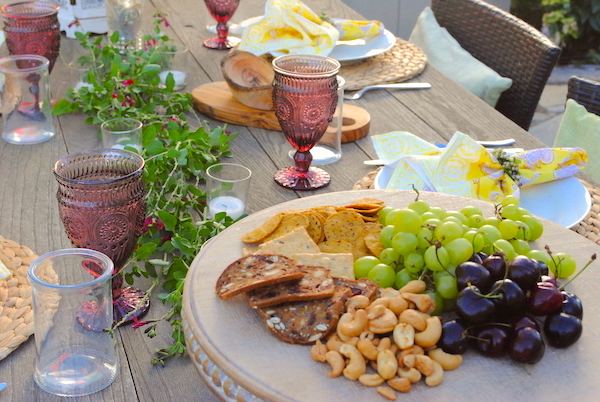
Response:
column 294, row 242
column 315, row 225
column 368, row 200
column 263, row 230
column 336, row 246
column 289, row 222
column 373, row 244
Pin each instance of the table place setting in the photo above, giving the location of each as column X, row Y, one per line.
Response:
column 466, row 168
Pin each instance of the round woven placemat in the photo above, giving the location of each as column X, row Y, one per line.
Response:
column 588, row 228
column 402, row 62
column 16, row 314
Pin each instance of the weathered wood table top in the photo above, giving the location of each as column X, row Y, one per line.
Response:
column 29, row 213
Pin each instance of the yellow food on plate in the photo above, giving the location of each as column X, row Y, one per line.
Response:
column 340, row 265
column 296, row 241
column 263, row 230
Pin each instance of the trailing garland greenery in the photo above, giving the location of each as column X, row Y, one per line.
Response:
column 177, row 223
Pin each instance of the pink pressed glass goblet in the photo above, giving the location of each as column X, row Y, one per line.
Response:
column 222, row 11
column 32, row 27
column 101, row 201
column 305, row 92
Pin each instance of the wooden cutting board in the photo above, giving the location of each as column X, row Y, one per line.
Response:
column 215, row 100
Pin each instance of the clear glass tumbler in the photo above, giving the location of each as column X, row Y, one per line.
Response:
column 72, row 307
column 125, row 17
column 26, row 107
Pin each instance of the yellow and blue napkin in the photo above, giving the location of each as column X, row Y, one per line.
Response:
column 468, row 169
column 291, row 27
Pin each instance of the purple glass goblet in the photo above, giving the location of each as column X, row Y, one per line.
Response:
column 32, row 27
column 305, row 92
column 222, row 11
column 101, row 201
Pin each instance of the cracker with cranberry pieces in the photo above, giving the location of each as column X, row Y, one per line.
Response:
column 306, row 321
column 254, row 271
column 317, row 283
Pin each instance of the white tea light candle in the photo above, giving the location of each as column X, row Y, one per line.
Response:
column 178, row 76
column 233, row 207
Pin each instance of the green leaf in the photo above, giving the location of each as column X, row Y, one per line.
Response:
column 169, row 220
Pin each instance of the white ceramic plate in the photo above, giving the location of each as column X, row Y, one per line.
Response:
column 566, row 201
column 235, row 352
column 349, row 50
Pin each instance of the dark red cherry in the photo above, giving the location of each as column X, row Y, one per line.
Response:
column 454, row 339
column 471, row 273
column 472, row 307
column 524, row 271
column 544, row 299
column 527, row 346
column 496, row 265
column 525, row 321
column 562, row 330
column 572, row 304
column 512, row 298
column 493, row 340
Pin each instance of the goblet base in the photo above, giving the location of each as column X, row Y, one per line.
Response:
column 222, row 44
column 131, row 304
column 313, row 179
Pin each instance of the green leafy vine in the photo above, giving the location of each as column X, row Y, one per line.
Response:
column 126, row 84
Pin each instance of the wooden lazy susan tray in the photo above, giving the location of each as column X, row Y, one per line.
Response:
column 215, row 100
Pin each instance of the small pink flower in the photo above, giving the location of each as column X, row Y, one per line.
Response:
column 74, row 23
column 128, row 82
column 114, row 95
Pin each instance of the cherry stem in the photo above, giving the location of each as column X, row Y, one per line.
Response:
column 488, row 296
column 592, row 259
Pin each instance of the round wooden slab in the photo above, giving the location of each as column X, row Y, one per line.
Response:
column 215, row 100
column 240, row 358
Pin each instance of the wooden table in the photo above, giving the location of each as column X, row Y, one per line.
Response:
column 29, row 213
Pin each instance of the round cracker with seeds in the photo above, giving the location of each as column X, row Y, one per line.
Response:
column 344, row 225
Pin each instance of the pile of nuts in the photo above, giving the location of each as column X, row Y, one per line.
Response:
column 362, row 340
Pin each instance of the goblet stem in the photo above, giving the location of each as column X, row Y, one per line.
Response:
column 302, row 161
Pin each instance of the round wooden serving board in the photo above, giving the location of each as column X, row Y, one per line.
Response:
column 241, row 360
column 215, row 100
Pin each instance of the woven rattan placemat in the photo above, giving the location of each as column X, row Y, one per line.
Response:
column 16, row 314
column 589, row 227
column 402, row 62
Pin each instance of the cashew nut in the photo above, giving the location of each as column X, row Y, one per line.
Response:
column 334, row 343
column 400, row 384
column 336, row 361
column 366, row 334
column 366, row 347
column 387, row 365
column 384, row 343
column 414, row 286
column 387, row 392
column 404, row 335
column 424, row 364
column 446, row 360
column 411, row 374
column 354, row 327
column 358, row 301
column 371, row 380
column 432, row 334
column 380, row 300
column 384, row 323
column 318, row 350
column 389, row 292
column 414, row 318
column 423, row 301
column 409, row 361
column 398, row 305
column 436, row 377
column 413, row 350
column 356, row 366
column 375, row 311
column 346, row 317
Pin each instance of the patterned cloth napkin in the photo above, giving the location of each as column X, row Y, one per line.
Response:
column 467, row 169
column 289, row 26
